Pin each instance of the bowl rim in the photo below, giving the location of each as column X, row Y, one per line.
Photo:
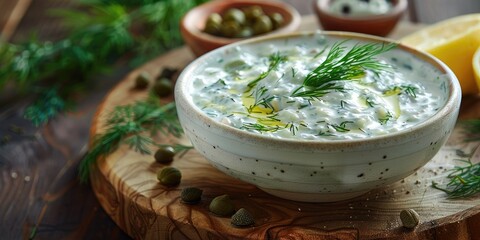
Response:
column 451, row 105
column 322, row 8
column 290, row 10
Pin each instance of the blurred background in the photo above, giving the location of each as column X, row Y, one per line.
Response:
column 28, row 15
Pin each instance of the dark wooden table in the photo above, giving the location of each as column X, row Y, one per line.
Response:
column 40, row 195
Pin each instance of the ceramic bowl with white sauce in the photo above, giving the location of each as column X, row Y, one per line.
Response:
column 247, row 108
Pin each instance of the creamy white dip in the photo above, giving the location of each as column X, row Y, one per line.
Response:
column 408, row 93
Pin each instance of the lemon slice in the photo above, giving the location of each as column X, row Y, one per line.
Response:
column 454, row 42
column 476, row 65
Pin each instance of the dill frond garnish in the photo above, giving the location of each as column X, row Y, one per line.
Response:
column 260, row 127
column 135, row 125
column 341, row 66
column 464, row 181
column 274, row 60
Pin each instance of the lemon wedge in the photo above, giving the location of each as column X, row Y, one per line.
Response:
column 476, row 65
column 454, row 42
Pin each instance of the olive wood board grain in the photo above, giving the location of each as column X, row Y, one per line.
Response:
column 125, row 184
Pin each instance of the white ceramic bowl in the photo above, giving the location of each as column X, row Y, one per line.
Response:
column 308, row 170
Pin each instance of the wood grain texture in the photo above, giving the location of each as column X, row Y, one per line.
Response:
column 126, row 186
column 11, row 12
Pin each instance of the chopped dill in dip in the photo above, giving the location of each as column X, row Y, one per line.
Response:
column 326, row 89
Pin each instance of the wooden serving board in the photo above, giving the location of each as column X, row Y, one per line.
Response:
column 126, row 186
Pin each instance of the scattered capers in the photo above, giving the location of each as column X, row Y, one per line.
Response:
column 222, row 206
column 169, row 176
column 191, row 195
column 242, row 218
column 409, row 218
column 163, row 87
column 164, row 155
column 167, row 72
column 142, row 80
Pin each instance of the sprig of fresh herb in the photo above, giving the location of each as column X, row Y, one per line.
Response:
column 135, row 125
column 464, row 180
column 274, row 61
column 340, row 65
column 261, row 98
column 407, row 89
column 100, row 33
column 260, row 127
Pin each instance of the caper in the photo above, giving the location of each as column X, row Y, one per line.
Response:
column 277, row 20
column 164, row 154
column 262, row 24
column 169, row 176
column 142, row 80
column 222, row 206
column 163, row 87
column 167, row 72
column 191, row 195
column 409, row 218
column 253, row 12
column 230, row 29
column 234, row 15
column 213, row 24
column 242, row 218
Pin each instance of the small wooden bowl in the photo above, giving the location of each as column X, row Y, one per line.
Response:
column 193, row 22
column 380, row 25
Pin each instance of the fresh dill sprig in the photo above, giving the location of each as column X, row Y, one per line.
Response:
column 340, row 65
column 260, row 127
column 135, row 125
column 407, row 89
column 274, row 60
column 464, row 181
column 342, row 127
column 262, row 98
column 99, row 32
column 47, row 106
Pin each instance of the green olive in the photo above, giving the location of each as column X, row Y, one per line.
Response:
column 230, row 29
column 245, row 32
column 252, row 12
column 235, row 15
column 163, row 87
column 277, row 20
column 213, row 24
column 164, row 155
column 169, row 176
column 262, row 24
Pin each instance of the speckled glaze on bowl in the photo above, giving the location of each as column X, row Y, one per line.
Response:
column 193, row 23
column 380, row 25
column 315, row 171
